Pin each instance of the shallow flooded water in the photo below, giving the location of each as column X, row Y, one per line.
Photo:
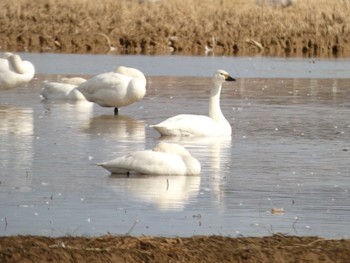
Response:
column 289, row 149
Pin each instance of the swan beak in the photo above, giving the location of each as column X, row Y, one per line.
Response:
column 229, row 78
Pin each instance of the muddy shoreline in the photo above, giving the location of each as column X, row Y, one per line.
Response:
column 276, row 248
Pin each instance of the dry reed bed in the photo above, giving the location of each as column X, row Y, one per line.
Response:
column 309, row 27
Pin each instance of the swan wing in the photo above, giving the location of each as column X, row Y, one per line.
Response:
column 107, row 89
column 147, row 162
column 188, row 125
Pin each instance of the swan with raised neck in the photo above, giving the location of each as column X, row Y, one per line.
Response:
column 199, row 125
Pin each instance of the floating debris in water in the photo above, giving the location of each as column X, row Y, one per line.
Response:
column 277, row 211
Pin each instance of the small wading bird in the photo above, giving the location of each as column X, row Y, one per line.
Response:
column 199, row 125
column 14, row 71
column 163, row 159
column 115, row 89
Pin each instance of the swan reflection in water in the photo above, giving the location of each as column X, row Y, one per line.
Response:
column 212, row 151
column 214, row 154
column 67, row 112
column 16, row 140
column 116, row 126
column 166, row 193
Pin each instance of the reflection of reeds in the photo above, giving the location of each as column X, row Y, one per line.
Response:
column 314, row 27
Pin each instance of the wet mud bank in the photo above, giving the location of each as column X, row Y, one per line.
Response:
column 276, row 248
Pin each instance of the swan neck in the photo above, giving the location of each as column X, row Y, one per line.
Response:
column 24, row 68
column 214, row 104
column 16, row 63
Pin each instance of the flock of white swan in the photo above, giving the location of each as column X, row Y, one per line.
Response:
column 123, row 87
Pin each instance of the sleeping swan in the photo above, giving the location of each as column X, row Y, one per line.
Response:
column 64, row 90
column 199, row 125
column 163, row 159
column 115, row 89
column 14, row 72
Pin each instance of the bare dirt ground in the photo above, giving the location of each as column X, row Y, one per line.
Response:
column 277, row 248
column 196, row 27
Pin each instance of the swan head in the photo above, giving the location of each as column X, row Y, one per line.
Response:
column 137, row 85
column 7, row 55
column 131, row 72
column 221, row 76
column 193, row 166
column 172, row 148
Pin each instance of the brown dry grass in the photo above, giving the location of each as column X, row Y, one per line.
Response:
column 277, row 248
column 309, row 27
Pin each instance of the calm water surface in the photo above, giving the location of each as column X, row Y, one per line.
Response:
column 289, row 149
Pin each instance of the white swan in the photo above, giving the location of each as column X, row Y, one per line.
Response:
column 163, row 159
column 199, row 125
column 115, row 89
column 14, row 72
column 64, row 90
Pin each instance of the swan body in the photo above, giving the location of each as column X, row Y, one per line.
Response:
column 199, row 125
column 65, row 90
column 115, row 89
column 14, row 71
column 164, row 159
